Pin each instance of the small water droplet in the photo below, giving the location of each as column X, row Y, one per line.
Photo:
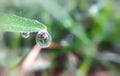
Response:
column 36, row 21
column 43, row 39
column 25, row 34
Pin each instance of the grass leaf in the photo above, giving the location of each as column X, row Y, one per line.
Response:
column 12, row 23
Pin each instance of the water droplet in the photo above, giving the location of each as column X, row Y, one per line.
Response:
column 25, row 34
column 36, row 21
column 43, row 39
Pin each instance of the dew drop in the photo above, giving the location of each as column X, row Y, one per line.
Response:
column 25, row 34
column 43, row 39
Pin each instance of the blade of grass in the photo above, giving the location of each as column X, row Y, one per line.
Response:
column 12, row 23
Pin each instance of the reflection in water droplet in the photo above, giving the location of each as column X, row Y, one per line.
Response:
column 43, row 39
column 25, row 34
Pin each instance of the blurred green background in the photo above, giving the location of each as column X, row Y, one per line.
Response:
column 85, row 38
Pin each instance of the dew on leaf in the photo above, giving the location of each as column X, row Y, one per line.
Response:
column 43, row 39
column 25, row 34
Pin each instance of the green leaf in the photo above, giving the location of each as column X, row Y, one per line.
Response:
column 12, row 23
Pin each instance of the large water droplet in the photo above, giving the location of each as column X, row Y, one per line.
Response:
column 25, row 34
column 43, row 39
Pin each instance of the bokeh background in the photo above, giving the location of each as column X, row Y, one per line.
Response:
column 85, row 38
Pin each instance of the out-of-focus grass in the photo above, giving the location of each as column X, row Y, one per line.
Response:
column 58, row 17
column 62, row 16
column 102, row 19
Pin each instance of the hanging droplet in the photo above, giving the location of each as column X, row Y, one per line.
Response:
column 25, row 34
column 43, row 39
